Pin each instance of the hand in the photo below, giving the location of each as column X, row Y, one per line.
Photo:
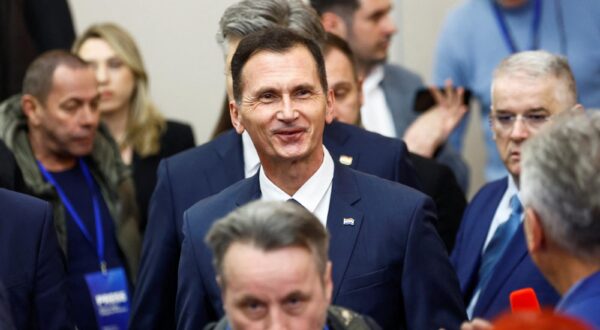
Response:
column 432, row 128
column 477, row 324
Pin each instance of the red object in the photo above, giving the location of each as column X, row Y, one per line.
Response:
column 524, row 300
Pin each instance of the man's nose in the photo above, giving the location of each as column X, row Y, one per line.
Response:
column 520, row 130
column 389, row 27
column 287, row 111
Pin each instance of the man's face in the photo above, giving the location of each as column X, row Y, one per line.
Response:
column 69, row 118
column 531, row 100
column 371, row 31
column 342, row 79
column 283, row 106
column 280, row 289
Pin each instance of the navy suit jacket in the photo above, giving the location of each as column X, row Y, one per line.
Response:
column 515, row 268
column 390, row 265
column 32, row 268
column 206, row 170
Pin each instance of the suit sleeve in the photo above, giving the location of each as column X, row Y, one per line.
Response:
column 191, row 303
column 405, row 172
column 50, row 295
column 154, row 299
column 429, row 284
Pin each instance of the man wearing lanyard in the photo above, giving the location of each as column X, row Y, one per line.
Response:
column 67, row 159
column 478, row 34
column 273, row 271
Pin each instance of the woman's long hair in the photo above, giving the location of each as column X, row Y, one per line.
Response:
column 145, row 123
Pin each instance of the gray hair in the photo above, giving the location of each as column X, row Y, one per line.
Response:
column 560, row 180
column 540, row 64
column 248, row 16
column 269, row 226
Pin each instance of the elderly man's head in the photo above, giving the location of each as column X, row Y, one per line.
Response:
column 561, row 191
column 272, row 266
column 60, row 100
column 250, row 16
column 528, row 88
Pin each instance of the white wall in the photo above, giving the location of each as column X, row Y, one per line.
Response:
column 177, row 40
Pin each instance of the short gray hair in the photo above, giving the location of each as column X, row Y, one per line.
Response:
column 540, row 64
column 560, row 181
column 248, row 16
column 269, row 226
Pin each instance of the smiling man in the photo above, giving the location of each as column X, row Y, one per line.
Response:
column 490, row 255
column 70, row 161
column 386, row 256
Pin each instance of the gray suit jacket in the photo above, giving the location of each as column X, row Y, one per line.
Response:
column 400, row 87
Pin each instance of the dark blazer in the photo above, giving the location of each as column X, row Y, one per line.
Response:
column 516, row 270
column 390, row 265
column 206, row 170
column 582, row 300
column 32, row 268
column 177, row 137
column 438, row 182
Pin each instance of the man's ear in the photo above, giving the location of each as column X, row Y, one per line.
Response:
column 534, row 231
column 330, row 101
column 32, row 109
column 335, row 24
column 234, row 113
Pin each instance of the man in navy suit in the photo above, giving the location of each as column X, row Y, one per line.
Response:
column 206, row 170
column 388, row 262
column 32, row 269
column 490, row 255
column 561, row 194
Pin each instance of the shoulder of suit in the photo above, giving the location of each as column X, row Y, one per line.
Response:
column 202, row 155
column 399, row 73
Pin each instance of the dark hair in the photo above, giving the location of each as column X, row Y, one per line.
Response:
column 334, row 42
column 39, row 76
column 340, row 7
column 276, row 40
column 269, row 226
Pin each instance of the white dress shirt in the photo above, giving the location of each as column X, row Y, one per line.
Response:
column 314, row 194
column 502, row 214
column 251, row 160
column 375, row 113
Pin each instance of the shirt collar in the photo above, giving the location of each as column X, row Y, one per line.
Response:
column 251, row 160
column 310, row 193
column 374, row 78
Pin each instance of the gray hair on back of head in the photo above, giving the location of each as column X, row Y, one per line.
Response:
column 249, row 16
column 560, row 181
column 269, row 226
column 540, row 64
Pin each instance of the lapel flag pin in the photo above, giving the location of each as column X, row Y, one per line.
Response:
column 348, row 222
column 346, row 160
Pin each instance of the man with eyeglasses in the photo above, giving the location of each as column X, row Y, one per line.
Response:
column 490, row 255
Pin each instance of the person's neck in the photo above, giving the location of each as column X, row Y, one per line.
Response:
column 567, row 270
column 289, row 176
column 364, row 69
column 116, row 121
column 51, row 161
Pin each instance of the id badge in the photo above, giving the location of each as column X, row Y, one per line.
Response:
column 110, row 298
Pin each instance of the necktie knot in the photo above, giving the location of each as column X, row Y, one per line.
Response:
column 515, row 205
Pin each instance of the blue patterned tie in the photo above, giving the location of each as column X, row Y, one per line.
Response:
column 499, row 242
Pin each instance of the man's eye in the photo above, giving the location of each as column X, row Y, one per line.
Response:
column 254, row 309
column 505, row 118
column 302, row 93
column 341, row 93
column 267, row 97
column 536, row 118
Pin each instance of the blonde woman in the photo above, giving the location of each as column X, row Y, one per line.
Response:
column 142, row 133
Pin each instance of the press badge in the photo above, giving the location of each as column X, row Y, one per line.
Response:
column 110, row 298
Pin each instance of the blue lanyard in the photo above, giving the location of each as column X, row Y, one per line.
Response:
column 75, row 215
column 535, row 26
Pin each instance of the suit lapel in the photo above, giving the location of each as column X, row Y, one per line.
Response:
column 335, row 138
column 249, row 192
column 515, row 253
column 476, row 237
column 344, row 222
column 229, row 149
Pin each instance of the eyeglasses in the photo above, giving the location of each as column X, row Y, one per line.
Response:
column 533, row 121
